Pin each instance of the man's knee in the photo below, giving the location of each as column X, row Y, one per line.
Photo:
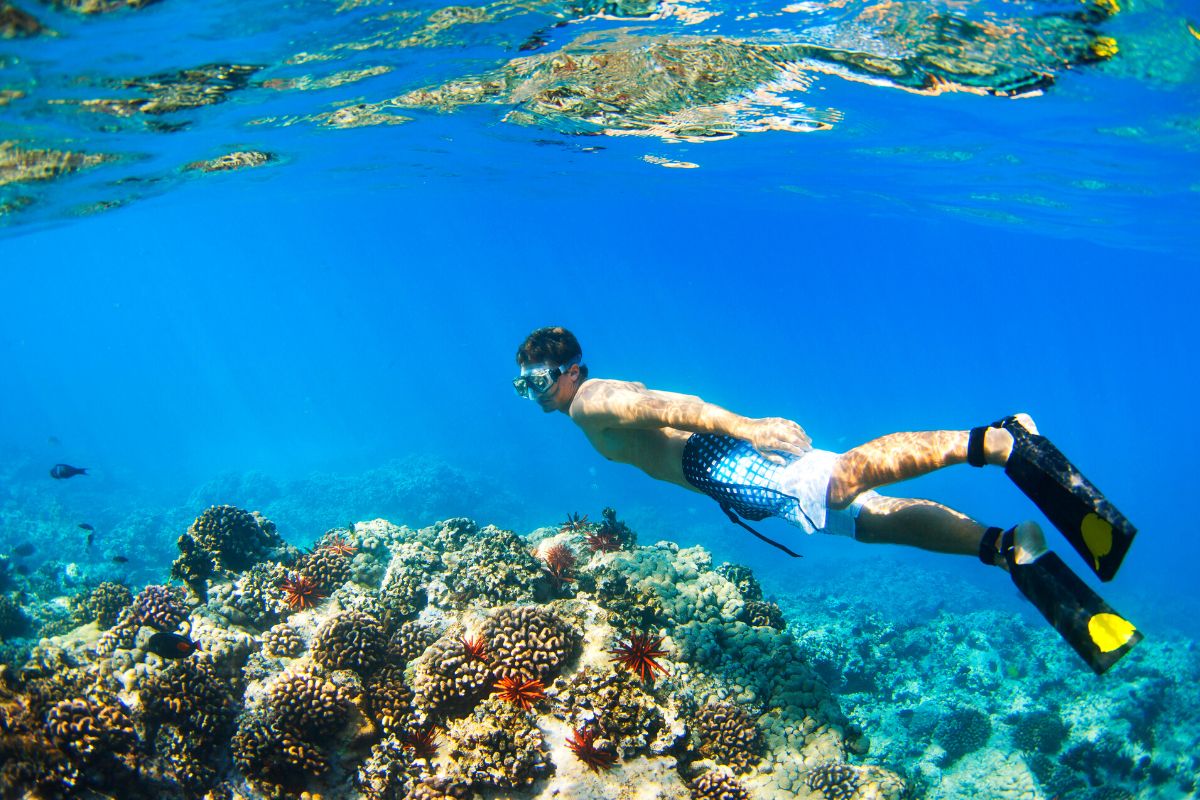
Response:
column 844, row 483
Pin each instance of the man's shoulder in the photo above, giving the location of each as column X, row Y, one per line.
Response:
column 598, row 398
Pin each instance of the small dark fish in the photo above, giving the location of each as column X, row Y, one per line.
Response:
column 171, row 645
column 90, row 536
column 53, row 441
column 62, row 471
column 23, row 549
column 120, row 560
column 84, row 526
column 23, row 569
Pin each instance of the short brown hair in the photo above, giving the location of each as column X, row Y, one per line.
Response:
column 551, row 345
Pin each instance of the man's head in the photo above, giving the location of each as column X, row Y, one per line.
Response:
column 551, row 368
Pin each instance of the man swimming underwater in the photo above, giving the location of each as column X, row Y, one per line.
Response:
column 758, row 468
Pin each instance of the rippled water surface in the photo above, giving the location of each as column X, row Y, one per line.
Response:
column 1072, row 119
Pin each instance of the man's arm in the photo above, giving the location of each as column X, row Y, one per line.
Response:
column 621, row 404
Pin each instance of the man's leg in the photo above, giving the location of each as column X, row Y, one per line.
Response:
column 900, row 456
column 917, row 523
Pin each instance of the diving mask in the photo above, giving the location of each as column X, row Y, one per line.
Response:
column 538, row 379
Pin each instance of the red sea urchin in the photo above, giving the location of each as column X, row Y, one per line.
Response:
column 475, row 647
column 423, row 742
column 340, row 546
column 300, row 592
column 519, row 691
column 639, row 654
column 582, row 745
column 560, row 561
column 603, row 541
column 574, row 523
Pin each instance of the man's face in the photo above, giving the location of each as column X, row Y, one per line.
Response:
column 560, row 393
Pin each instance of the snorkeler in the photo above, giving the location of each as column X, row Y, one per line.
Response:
column 759, row 468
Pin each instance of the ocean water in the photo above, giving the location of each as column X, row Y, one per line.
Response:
column 831, row 212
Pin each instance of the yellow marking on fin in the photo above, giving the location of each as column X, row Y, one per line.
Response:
column 1111, row 7
column 1105, row 47
column 1192, row 30
column 1097, row 535
column 1110, row 632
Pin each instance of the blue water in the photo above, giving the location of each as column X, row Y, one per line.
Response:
column 928, row 262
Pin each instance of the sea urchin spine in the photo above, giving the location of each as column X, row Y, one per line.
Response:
column 640, row 655
column 582, row 744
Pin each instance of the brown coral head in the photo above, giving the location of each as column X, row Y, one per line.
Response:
column 300, row 592
column 423, row 742
column 640, row 654
column 475, row 647
column 560, row 562
column 582, row 744
column 520, row 692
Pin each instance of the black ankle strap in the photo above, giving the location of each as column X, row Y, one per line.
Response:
column 975, row 446
column 989, row 546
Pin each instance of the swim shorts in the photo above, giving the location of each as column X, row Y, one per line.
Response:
column 736, row 475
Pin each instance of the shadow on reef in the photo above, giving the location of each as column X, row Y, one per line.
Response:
column 451, row 661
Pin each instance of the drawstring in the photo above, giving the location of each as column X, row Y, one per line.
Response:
column 737, row 521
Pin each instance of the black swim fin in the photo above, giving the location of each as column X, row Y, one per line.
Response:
column 1094, row 630
column 1094, row 527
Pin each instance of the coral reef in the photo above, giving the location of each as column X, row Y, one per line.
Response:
column 431, row 663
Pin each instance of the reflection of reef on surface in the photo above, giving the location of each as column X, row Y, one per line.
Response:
column 471, row 689
column 100, row 6
column 703, row 88
column 26, row 165
column 15, row 24
column 168, row 93
column 241, row 159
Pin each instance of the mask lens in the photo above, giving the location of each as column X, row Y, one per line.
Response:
column 536, row 382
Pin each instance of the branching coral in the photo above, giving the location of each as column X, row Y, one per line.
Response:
column 499, row 746
column 282, row 641
column 350, row 640
column 160, row 607
column 102, row 605
column 189, row 694
column 728, row 735
column 529, row 642
column 961, row 731
column 447, row 678
column 235, row 539
column 308, row 704
column 835, row 780
column 717, row 784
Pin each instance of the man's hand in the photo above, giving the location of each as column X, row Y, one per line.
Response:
column 774, row 435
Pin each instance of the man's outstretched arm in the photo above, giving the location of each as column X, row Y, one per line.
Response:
column 620, row 404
